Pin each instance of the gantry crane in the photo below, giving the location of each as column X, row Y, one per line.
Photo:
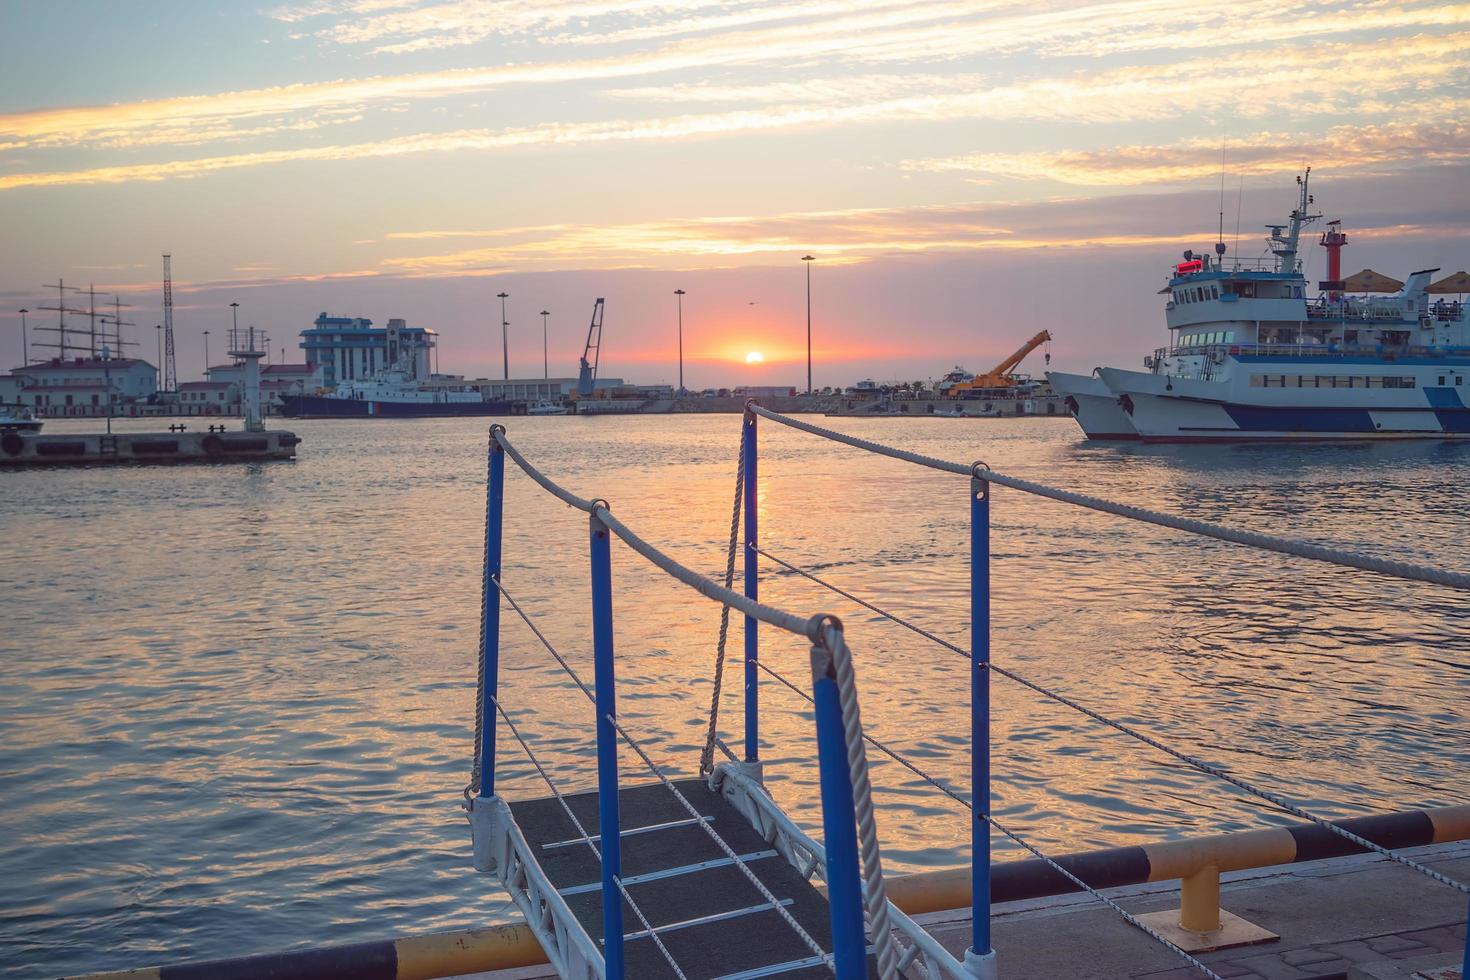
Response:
column 591, row 354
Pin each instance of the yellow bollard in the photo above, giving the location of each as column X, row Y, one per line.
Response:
column 1199, row 900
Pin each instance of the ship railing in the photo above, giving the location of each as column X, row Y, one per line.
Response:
column 849, row 858
column 1313, row 351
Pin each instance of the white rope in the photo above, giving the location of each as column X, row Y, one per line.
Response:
column 586, row 838
column 707, row 757
column 940, row 785
column 875, row 895
column 705, row 586
column 1253, row 539
column 1148, row 740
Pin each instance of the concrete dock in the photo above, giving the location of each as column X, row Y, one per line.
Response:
column 1361, row 917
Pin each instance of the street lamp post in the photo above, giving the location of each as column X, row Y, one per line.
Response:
column 808, row 259
column 504, row 334
column 234, row 321
column 158, row 331
column 206, row 355
column 25, row 344
column 545, row 348
column 680, row 293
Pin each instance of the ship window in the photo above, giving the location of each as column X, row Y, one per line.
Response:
column 1399, row 382
column 1459, row 379
column 1441, row 379
column 1374, row 381
column 1214, row 292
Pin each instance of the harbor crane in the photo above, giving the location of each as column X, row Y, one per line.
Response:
column 1000, row 376
column 591, row 354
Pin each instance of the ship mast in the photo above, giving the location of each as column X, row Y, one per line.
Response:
column 1285, row 246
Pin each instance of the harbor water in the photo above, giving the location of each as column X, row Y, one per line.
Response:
column 236, row 700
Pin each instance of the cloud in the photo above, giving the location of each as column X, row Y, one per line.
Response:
column 936, row 34
column 1336, row 78
column 1374, row 147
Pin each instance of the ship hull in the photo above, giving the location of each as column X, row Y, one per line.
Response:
column 317, row 406
column 1093, row 405
column 1165, row 409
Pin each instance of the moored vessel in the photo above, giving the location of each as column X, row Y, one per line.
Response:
column 392, row 393
column 1254, row 357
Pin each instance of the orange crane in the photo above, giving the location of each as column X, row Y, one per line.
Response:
column 1000, row 375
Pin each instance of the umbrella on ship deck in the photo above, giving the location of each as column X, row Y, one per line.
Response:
column 1459, row 283
column 1369, row 281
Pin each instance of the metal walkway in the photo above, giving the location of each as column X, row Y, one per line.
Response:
column 712, row 919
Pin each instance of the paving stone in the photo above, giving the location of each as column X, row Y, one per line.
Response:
column 1272, row 967
column 1395, row 945
column 1354, row 951
column 1443, row 938
column 1308, row 956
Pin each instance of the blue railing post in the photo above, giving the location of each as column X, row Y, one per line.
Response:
column 839, row 823
column 490, row 612
column 1465, row 966
column 607, row 747
column 752, row 591
column 980, row 958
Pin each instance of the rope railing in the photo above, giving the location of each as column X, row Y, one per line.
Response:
column 1197, row 764
column 1253, row 539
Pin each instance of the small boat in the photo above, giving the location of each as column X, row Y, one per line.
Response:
column 18, row 418
column 548, row 408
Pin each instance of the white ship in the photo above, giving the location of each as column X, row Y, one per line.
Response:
column 1254, row 356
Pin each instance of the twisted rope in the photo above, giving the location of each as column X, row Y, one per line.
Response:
column 707, row 757
column 1252, row 539
column 875, row 894
column 475, row 767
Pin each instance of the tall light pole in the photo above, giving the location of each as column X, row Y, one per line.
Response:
column 680, row 293
column 206, row 355
column 158, row 330
column 545, row 348
column 234, row 321
column 505, row 334
column 808, row 259
column 25, row 344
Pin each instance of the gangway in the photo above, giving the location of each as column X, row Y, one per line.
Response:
column 707, row 877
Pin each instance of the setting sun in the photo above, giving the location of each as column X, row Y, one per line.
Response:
column 754, row 357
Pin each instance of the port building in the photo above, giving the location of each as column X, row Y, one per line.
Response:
column 82, row 386
column 345, row 348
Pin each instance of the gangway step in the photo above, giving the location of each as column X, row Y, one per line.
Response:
column 713, row 921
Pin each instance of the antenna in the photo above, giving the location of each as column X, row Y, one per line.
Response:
column 170, row 376
column 1239, row 196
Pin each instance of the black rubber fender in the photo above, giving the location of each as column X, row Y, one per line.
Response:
column 212, row 445
column 11, row 443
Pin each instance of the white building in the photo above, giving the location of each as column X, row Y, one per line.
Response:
column 345, row 348
column 81, row 386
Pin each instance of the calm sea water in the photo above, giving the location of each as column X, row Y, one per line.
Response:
column 236, row 701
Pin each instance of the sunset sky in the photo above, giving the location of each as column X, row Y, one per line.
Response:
column 966, row 173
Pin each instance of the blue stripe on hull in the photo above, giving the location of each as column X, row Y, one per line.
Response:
column 1453, row 421
column 1256, row 418
column 301, row 406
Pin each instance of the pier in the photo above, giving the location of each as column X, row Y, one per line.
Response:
column 178, row 444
